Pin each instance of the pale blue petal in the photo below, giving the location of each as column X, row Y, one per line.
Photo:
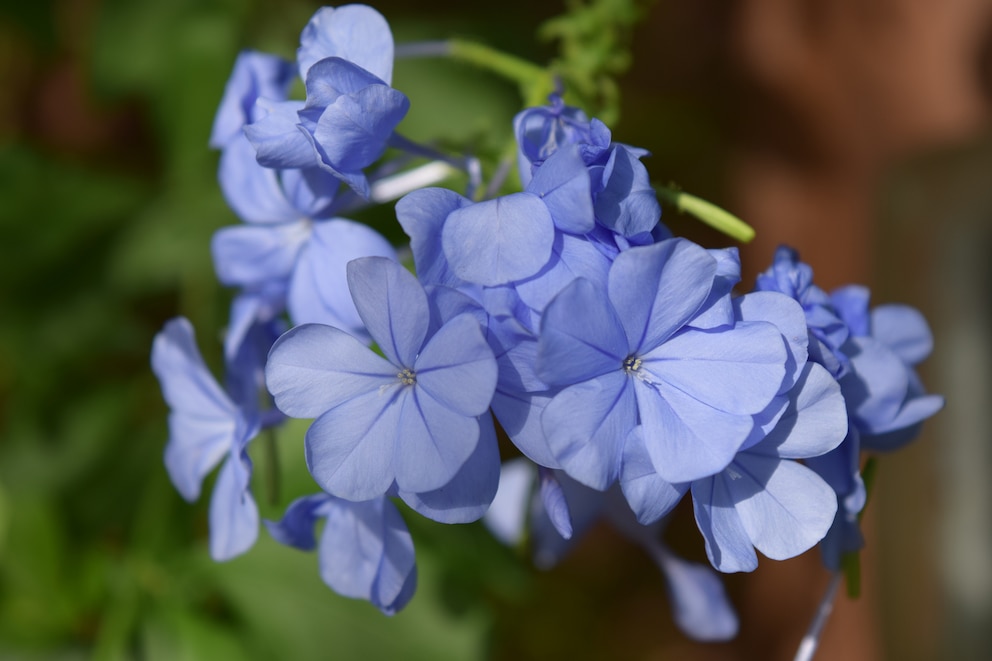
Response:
column 904, row 330
column 393, row 306
column 253, row 192
column 815, row 422
column 433, row 442
column 498, row 241
column 203, row 423
column 469, row 493
column 649, row 496
column 349, row 449
column 318, row 291
column 233, row 513
column 877, row 385
column 737, row 370
column 357, row 33
column 422, row 214
column 255, row 75
column 314, row 368
column 353, row 131
column 628, row 204
column 519, row 414
column 457, row 367
column 572, row 257
column 581, row 336
column 277, row 138
column 728, row 546
column 700, row 606
column 687, row 439
column 554, row 502
column 331, row 77
column 785, row 507
column 506, row 517
column 718, row 310
column 562, row 182
column 787, row 315
column 296, row 527
column 586, row 425
column 657, row 289
column 254, row 255
column 396, row 578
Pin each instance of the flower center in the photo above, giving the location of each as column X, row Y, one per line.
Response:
column 631, row 365
column 407, row 377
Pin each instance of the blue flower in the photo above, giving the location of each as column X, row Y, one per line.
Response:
column 629, row 356
column 345, row 60
column 206, row 428
column 411, row 417
column 366, row 551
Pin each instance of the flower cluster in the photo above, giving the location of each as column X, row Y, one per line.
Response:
column 615, row 357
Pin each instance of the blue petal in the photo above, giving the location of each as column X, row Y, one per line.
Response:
column 314, row 368
column 586, row 425
column 506, row 517
column 393, row 306
column 255, row 75
column 563, row 183
column 903, row 330
column 718, row 310
column 581, row 337
column 278, row 140
column 785, row 507
column 877, row 385
column 657, row 289
column 467, row 496
column 353, row 130
column 457, row 367
column 318, row 291
column 366, row 552
column 422, row 214
column 295, row 528
column 787, row 315
column 815, row 422
column 253, row 255
column 331, row 77
column 233, row 513
column 498, row 241
column 349, row 449
column 434, row 442
column 572, row 257
column 728, row 546
column 357, row 33
column 628, row 204
column 519, row 414
column 554, row 502
column 649, row 496
column 687, row 439
column 700, row 605
column 253, row 192
column 737, row 370
column 203, row 424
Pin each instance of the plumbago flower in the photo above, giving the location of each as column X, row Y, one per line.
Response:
column 366, row 551
column 413, row 417
column 346, row 61
column 872, row 352
column 207, row 427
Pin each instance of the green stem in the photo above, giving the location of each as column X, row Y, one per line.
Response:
column 535, row 82
column 271, row 467
column 707, row 212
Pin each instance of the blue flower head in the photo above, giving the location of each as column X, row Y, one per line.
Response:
column 346, row 61
column 411, row 417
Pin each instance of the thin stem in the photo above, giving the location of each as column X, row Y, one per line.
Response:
column 422, row 49
column 272, row 483
column 707, row 212
column 807, row 647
